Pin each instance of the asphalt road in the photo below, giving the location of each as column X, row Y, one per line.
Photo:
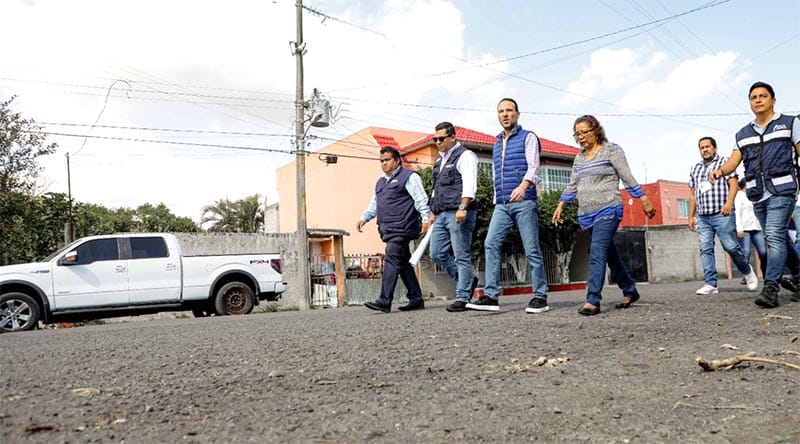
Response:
column 353, row 375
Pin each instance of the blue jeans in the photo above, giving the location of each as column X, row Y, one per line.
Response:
column 774, row 215
column 526, row 217
column 602, row 252
column 446, row 234
column 755, row 238
column 796, row 226
column 724, row 227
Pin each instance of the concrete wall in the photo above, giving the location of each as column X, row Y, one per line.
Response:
column 674, row 254
column 284, row 244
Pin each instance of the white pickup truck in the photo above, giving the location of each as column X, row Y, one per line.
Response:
column 124, row 274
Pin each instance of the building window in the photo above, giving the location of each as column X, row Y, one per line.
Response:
column 683, row 208
column 554, row 179
column 486, row 167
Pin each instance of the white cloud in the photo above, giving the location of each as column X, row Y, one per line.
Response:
column 687, row 84
column 608, row 69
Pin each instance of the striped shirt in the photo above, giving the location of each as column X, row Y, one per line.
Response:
column 595, row 183
column 709, row 198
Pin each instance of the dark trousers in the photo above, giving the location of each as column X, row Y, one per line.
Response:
column 397, row 265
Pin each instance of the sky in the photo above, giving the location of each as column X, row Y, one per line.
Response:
column 187, row 102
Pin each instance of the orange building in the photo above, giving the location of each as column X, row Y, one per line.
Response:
column 671, row 200
column 338, row 193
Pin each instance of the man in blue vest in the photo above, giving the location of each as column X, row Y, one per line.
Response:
column 399, row 202
column 516, row 172
column 455, row 181
column 768, row 146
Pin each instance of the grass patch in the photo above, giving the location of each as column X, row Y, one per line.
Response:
column 794, row 437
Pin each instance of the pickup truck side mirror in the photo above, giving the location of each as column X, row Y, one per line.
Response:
column 70, row 258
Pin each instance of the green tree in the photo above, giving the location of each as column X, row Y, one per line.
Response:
column 560, row 238
column 250, row 214
column 242, row 216
column 21, row 142
column 159, row 219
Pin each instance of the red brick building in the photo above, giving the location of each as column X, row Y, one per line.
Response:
column 671, row 200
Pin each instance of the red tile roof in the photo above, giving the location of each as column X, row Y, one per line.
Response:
column 386, row 141
column 476, row 137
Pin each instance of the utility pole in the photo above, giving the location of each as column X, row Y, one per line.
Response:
column 302, row 229
column 69, row 227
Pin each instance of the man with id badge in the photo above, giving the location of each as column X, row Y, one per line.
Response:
column 710, row 213
column 769, row 147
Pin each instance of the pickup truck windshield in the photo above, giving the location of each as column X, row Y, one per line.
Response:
column 59, row 251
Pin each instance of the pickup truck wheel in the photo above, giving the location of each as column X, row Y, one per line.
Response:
column 234, row 298
column 18, row 311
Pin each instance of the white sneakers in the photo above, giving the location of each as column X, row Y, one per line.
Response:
column 752, row 280
column 708, row 289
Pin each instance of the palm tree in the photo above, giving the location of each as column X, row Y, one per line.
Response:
column 222, row 216
column 242, row 216
column 250, row 214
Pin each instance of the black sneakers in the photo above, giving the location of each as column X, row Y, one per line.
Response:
column 768, row 298
column 793, row 286
column 537, row 305
column 790, row 284
column 457, row 306
column 485, row 303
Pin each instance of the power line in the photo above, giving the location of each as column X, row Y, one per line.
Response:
column 174, row 130
column 562, row 46
column 170, row 142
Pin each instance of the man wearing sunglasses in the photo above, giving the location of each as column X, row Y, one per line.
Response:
column 455, row 181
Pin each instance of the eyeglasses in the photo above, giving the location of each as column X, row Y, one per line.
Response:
column 440, row 139
column 578, row 135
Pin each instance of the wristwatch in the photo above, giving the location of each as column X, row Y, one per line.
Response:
column 462, row 207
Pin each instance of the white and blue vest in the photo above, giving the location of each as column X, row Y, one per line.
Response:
column 769, row 159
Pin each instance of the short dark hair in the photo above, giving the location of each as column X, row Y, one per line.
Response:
column 594, row 124
column 393, row 151
column 766, row 86
column 509, row 99
column 709, row 138
column 448, row 127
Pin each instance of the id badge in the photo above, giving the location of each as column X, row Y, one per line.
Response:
column 705, row 186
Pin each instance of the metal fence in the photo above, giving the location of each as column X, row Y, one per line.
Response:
column 364, row 272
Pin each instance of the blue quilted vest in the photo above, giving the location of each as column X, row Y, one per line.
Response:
column 395, row 210
column 509, row 172
column 769, row 159
column 448, row 183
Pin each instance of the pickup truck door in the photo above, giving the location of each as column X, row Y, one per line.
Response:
column 96, row 277
column 154, row 273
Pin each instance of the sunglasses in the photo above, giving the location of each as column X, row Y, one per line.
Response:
column 440, row 139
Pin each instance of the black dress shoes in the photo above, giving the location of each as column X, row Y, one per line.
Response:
column 586, row 311
column 378, row 307
column 631, row 300
column 412, row 306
